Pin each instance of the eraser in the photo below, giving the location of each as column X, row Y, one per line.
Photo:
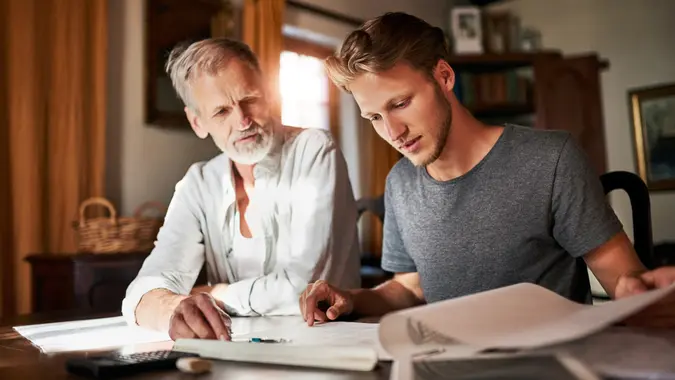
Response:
column 193, row 365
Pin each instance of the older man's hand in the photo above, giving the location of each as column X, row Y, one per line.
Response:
column 200, row 316
column 662, row 313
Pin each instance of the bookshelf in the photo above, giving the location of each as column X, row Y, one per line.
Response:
column 491, row 61
column 545, row 90
column 505, row 109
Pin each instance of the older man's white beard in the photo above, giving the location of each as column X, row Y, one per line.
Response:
column 252, row 152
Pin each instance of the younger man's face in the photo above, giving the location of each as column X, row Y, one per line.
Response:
column 408, row 109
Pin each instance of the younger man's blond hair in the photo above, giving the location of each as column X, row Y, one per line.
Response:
column 384, row 41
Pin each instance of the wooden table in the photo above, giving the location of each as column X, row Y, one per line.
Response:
column 19, row 359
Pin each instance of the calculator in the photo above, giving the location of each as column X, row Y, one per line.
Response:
column 119, row 365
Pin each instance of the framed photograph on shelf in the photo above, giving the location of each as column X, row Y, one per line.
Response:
column 467, row 32
column 498, row 32
column 653, row 117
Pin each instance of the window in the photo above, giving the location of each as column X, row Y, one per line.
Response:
column 304, row 91
column 308, row 98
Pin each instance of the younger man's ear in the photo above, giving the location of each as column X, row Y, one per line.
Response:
column 444, row 75
column 194, row 122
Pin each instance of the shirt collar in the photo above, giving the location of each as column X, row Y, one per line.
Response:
column 271, row 163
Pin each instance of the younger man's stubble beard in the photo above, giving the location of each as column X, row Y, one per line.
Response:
column 441, row 135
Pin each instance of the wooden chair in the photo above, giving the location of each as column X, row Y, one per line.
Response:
column 638, row 194
column 372, row 273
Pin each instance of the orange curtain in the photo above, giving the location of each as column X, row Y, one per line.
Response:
column 263, row 22
column 5, row 216
column 377, row 159
column 54, row 95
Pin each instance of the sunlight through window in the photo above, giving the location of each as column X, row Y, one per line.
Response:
column 304, row 91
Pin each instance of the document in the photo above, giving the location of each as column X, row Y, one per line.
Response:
column 336, row 345
column 295, row 332
column 88, row 334
column 521, row 319
column 327, row 356
column 518, row 317
column 521, row 316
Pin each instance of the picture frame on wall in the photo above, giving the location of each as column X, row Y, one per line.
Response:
column 653, row 119
column 169, row 23
column 467, row 31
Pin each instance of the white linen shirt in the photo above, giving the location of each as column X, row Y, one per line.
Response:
column 302, row 204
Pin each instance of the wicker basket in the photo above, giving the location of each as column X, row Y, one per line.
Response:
column 115, row 234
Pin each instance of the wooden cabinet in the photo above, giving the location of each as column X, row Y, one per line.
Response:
column 563, row 93
column 95, row 282
column 568, row 97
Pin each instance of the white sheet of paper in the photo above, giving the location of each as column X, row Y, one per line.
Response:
column 336, row 345
column 517, row 316
column 353, row 358
column 335, row 334
column 88, row 334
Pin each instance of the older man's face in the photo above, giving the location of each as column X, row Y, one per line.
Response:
column 233, row 109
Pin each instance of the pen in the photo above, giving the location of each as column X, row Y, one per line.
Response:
column 259, row 340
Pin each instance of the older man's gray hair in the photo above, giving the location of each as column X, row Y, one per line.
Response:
column 188, row 61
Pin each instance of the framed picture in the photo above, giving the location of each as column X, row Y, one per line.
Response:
column 167, row 24
column 653, row 116
column 466, row 29
column 497, row 29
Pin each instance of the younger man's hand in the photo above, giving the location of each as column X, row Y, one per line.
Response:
column 339, row 302
column 660, row 314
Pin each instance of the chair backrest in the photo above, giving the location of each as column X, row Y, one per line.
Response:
column 374, row 205
column 638, row 194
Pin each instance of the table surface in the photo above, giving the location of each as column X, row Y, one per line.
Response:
column 19, row 359
column 618, row 350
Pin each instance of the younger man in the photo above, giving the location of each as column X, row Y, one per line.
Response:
column 471, row 207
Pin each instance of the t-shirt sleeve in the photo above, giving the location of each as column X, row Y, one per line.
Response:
column 582, row 217
column 394, row 256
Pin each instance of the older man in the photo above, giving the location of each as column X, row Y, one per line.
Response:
column 272, row 213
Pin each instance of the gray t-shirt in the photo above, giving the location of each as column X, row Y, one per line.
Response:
column 527, row 212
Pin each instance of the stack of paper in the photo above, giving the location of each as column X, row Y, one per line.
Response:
column 88, row 335
column 337, row 345
column 525, row 319
column 521, row 317
column 352, row 358
column 337, row 334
